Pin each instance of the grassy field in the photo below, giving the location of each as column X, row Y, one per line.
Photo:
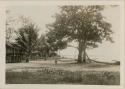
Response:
column 49, row 73
column 66, row 77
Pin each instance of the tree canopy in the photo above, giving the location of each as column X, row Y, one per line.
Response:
column 27, row 38
column 84, row 24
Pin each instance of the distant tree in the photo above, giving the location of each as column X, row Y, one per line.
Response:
column 83, row 24
column 13, row 23
column 47, row 45
column 43, row 46
column 9, row 26
column 27, row 38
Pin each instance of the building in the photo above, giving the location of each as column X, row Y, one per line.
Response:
column 14, row 53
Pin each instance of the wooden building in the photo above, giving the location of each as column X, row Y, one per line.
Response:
column 14, row 53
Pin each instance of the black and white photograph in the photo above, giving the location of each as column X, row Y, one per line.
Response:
column 63, row 44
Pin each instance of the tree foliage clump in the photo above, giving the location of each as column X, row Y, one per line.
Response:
column 27, row 38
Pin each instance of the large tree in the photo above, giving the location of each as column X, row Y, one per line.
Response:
column 84, row 24
column 43, row 46
column 27, row 38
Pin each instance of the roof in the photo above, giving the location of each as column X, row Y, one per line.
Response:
column 9, row 44
column 13, row 45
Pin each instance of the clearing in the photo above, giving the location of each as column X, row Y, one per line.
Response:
column 71, row 66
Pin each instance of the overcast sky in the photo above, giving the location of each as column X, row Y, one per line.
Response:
column 42, row 15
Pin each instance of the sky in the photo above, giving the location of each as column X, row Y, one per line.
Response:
column 43, row 15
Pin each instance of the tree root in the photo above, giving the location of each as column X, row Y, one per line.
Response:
column 88, row 60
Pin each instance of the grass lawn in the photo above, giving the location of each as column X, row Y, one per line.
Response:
column 47, row 72
column 86, row 77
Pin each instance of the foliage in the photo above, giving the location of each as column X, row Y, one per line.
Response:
column 55, row 41
column 43, row 46
column 27, row 38
column 84, row 24
column 11, row 21
column 9, row 26
column 47, row 45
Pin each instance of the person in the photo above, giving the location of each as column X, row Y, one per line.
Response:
column 56, row 59
column 27, row 59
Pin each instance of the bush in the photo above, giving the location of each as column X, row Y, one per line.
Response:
column 53, row 54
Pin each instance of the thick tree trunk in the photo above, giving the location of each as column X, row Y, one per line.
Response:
column 82, row 53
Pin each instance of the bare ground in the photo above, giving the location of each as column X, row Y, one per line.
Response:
column 71, row 66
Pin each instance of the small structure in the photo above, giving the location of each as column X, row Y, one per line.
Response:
column 14, row 53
